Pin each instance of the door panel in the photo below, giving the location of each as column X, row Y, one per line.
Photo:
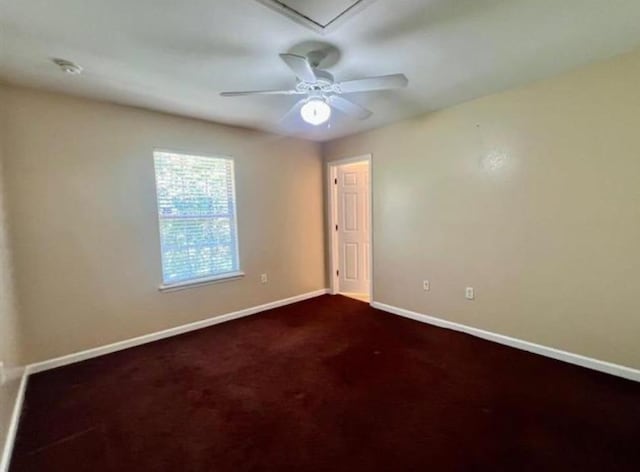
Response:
column 351, row 262
column 350, row 202
column 353, row 227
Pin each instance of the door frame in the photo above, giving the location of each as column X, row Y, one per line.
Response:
column 332, row 219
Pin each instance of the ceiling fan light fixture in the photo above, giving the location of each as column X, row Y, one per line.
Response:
column 321, row 94
column 315, row 112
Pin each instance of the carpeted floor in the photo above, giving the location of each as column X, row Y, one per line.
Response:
column 328, row 384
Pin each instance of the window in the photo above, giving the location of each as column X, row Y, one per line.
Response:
column 197, row 215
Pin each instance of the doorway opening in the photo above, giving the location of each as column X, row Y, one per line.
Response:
column 350, row 223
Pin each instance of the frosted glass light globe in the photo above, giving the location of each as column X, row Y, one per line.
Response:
column 315, row 112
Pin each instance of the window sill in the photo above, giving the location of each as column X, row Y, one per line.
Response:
column 228, row 277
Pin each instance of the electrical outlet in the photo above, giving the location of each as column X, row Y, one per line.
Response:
column 469, row 293
column 426, row 285
column 263, row 278
column 3, row 376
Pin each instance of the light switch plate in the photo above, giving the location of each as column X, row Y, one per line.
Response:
column 426, row 285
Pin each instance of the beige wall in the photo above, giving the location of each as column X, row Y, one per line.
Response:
column 81, row 199
column 532, row 197
column 9, row 327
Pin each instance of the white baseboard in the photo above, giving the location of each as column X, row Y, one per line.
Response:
column 147, row 338
column 12, row 429
column 583, row 361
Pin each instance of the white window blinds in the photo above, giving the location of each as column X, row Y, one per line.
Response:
column 197, row 215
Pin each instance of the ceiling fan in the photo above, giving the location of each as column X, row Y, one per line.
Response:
column 322, row 93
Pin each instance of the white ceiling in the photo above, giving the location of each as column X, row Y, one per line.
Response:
column 177, row 55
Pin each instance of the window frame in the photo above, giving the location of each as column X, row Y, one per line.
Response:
column 213, row 279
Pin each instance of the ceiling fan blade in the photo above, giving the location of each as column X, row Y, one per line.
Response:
column 382, row 82
column 301, row 67
column 349, row 108
column 260, row 92
column 294, row 110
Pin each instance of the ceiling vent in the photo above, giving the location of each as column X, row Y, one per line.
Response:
column 321, row 16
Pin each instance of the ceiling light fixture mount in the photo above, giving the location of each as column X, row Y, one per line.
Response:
column 67, row 66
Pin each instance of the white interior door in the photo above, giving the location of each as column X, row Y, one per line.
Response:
column 353, row 227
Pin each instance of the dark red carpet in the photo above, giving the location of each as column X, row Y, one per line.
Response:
column 327, row 385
